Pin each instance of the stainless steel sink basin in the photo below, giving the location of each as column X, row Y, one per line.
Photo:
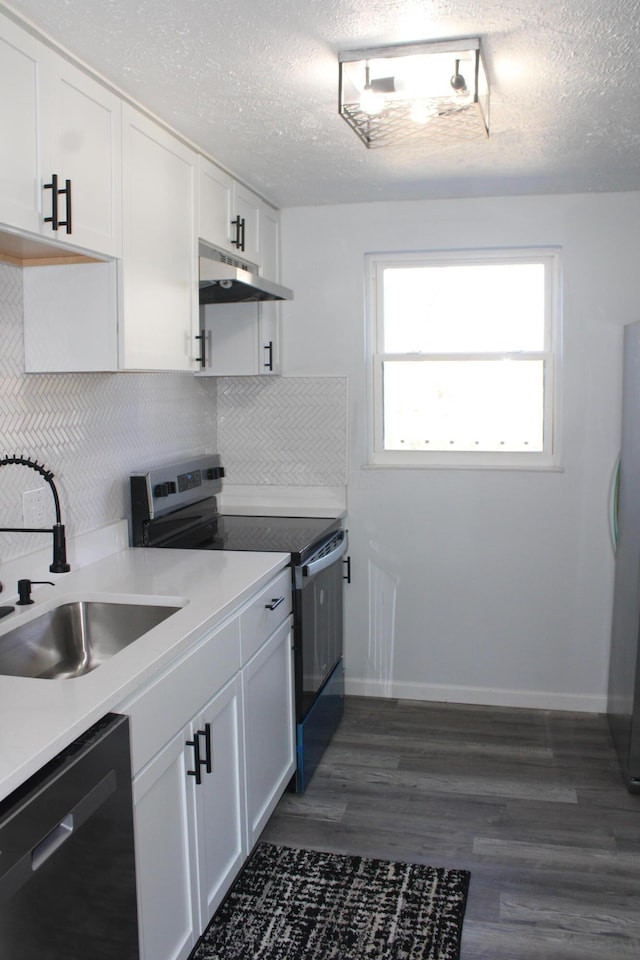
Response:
column 75, row 638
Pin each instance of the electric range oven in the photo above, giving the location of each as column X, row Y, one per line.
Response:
column 176, row 507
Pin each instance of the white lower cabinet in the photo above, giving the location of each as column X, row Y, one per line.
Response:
column 220, row 798
column 267, row 687
column 165, row 864
column 209, row 772
column 190, row 837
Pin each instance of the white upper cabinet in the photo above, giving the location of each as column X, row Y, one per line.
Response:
column 229, row 213
column 159, row 308
column 84, row 149
column 141, row 312
column 235, row 219
column 269, row 242
column 216, row 204
column 60, row 153
column 20, row 160
column 246, row 224
column 94, row 177
column 239, row 339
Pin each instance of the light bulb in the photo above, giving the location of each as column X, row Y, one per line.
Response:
column 458, row 83
column 420, row 113
column 371, row 102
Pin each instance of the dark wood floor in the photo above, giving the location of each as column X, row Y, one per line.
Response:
column 530, row 801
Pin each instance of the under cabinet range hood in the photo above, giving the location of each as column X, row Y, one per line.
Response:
column 225, row 279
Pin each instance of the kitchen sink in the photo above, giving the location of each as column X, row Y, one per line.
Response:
column 75, row 638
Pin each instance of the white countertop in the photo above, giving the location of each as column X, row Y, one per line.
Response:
column 38, row 718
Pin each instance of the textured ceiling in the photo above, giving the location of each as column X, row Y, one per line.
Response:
column 255, row 85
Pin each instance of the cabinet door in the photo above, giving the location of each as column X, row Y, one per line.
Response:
column 241, row 339
column 224, row 201
column 231, row 332
column 246, row 205
column 216, row 191
column 159, row 276
column 270, row 268
column 269, row 243
column 220, row 798
column 85, row 147
column 267, row 687
column 20, row 65
column 165, row 863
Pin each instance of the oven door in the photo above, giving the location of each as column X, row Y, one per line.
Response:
column 318, row 619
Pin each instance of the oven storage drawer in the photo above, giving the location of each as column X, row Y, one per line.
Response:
column 265, row 613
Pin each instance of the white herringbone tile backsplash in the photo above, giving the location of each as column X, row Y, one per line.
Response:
column 289, row 431
column 91, row 430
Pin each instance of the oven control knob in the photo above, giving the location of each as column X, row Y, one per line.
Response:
column 172, row 486
column 161, row 490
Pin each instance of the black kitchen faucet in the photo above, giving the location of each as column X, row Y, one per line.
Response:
column 59, row 564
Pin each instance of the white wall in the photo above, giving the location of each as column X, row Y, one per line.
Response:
column 477, row 586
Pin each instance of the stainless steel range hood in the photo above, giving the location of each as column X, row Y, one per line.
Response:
column 226, row 279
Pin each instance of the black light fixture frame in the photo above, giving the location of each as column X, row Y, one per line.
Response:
column 392, row 126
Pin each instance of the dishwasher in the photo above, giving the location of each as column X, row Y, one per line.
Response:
column 67, row 862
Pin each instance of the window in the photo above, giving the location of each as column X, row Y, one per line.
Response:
column 464, row 358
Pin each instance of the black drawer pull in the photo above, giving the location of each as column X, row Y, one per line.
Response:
column 275, row 602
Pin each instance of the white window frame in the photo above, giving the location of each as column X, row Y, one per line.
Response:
column 549, row 457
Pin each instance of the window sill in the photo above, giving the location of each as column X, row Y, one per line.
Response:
column 522, row 466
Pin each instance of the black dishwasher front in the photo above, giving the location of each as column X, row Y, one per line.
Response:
column 67, row 866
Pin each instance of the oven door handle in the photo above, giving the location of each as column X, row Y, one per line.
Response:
column 316, row 566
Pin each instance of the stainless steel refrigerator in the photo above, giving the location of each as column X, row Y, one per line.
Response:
column 624, row 668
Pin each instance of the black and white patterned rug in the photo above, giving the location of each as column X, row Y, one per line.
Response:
column 304, row 905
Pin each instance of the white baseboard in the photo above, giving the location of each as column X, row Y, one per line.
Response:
column 485, row 696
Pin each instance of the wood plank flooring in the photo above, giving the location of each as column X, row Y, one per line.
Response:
column 530, row 801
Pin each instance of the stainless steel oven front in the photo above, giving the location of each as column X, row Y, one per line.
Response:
column 319, row 672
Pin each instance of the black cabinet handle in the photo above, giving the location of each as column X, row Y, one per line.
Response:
column 53, row 186
column 239, row 224
column 197, row 762
column 208, row 757
column 269, row 348
column 202, row 359
column 67, row 193
column 347, row 576
column 275, row 602
column 56, row 192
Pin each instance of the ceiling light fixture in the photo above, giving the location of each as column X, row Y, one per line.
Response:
column 415, row 93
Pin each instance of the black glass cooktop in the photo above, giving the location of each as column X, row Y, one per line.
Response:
column 294, row 535
column 200, row 527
